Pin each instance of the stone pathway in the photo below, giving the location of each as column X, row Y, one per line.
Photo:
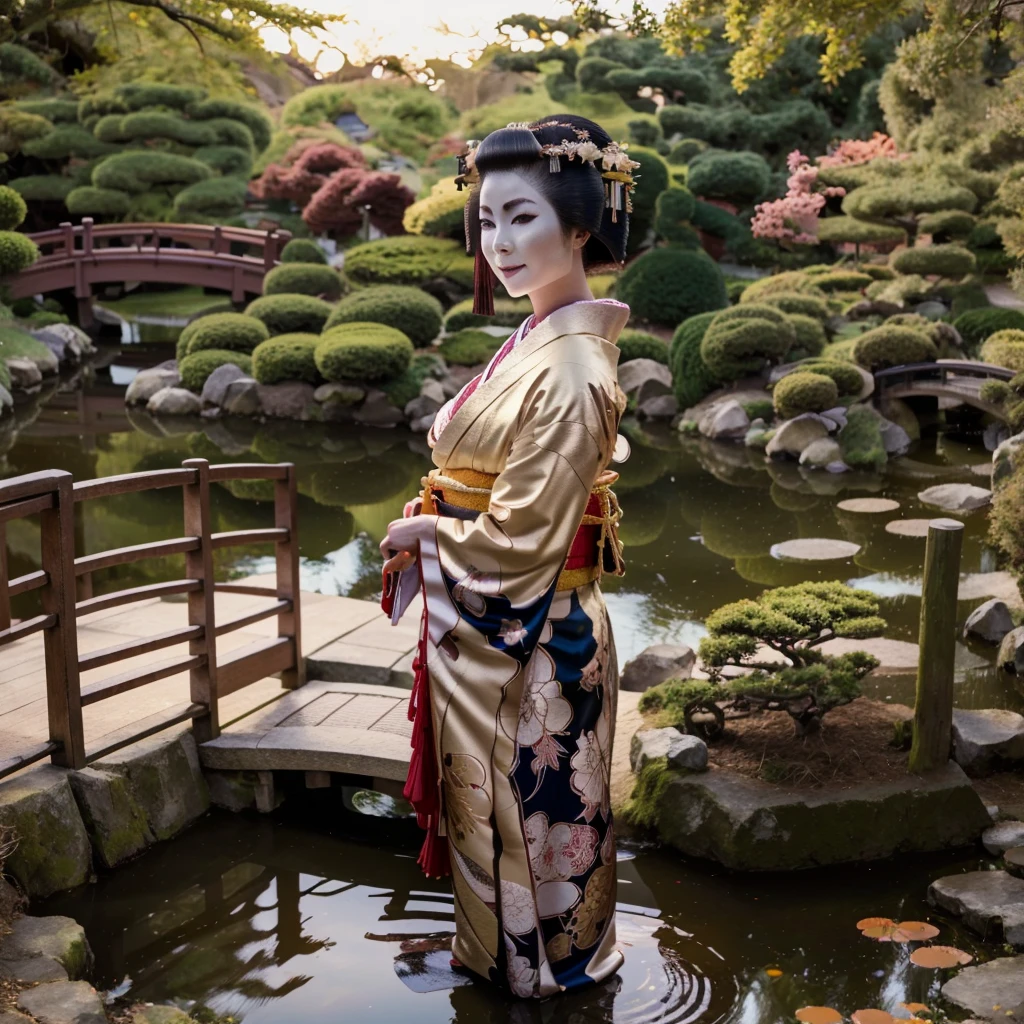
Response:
column 991, row 991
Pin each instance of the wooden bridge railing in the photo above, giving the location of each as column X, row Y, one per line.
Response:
column 52, row 496
column 939, row 371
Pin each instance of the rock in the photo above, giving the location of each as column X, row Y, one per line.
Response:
column 989, row 622
column 65, row 341
column 165, row 780
column 758, row 435
column 1011, row 652
column 423, row 424
column 115, row 821
column 838, row 467
column 63, row 1002
column 634, row 373
column 377, row 411
column 6, row 399
column 995, row 434
column 61, row 939
column 989, row 902
column 869, row 506
column 160, row 1015
column 931, row 309
column 980, row 988
column 1003, row 836
column 217, row 384
column 13, row 1017
column 726, row 421
column 836, row 417
column 898, row 411
column 232, row 790
column 241, row 397
column 656, row 664
column 653, row 387
column 456, row 379
column 793, row 436
column 814, row 549
column 432, row 389
column 339, row 394
column 292, row 400
column 174, row 402
column 750, row 825
column 422, row 405
column 660, row 407
column 32, row 971
column 1002, row 458
column 955, row 497
column 986, row 740
column 894, row 438
column 821, row 453
column 24, row 373
column 908, row 527
column 687, row 753
column 146, row 383
column 53, row 848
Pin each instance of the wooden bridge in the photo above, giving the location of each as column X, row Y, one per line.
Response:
column 233, row 260
column 958, row 380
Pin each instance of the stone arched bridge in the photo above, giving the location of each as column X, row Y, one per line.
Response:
column 956, row 379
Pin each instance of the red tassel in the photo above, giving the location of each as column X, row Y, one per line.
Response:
column 422, row 784
column 483, row 286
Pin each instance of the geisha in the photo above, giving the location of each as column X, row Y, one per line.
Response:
column 516, row 679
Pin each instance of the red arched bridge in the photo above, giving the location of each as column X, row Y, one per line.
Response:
column 955, row 379
column 79, row 257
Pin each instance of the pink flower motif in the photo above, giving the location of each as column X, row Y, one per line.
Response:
column 794, row 217
column 512, row 632
column 559, row 851
column 860, row 151
column 591, row 766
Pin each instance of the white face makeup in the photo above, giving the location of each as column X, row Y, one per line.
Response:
column 521, row 236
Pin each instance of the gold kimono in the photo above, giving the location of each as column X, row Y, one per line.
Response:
column 522, row 671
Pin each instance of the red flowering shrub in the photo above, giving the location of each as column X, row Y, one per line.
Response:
column 337, row 205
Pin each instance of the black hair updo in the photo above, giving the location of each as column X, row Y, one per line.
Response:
column 577, row 191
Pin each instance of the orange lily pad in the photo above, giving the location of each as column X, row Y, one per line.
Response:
column 918, row 931
column 818, row 1015
column 874, row 922
column 872, row 1017
column 773, row 972
column 940, row 956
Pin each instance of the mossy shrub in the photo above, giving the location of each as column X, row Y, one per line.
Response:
column 740, row 177
column 795, row 302
column 469, row 347
column 668, row 285
column 810, row 336
column 672, row 212
column 740, row 347
column 89, row 201
column 507, row 313
column 788, row 281
column 12, row 209
column 641, row 345
column 287, row 357
column 228, row 160
column 17, row 251
column 685, row 150
column 861, row 440
column 842, row 281
column 978, row 324
column 411, row 310
column 946, row 260
column 946, row 224
column 751, row 311
column 363, row 352
column 890, row 345
column 440, row 214
column 403, row 259
column 304, row 279
column 290, row 314
column 1005, row 348
column 43, row 188
column 195, row 368
column 846, row 376
column 302, row 250
column 137, row 171
column 801, row 392
column 216, row 198
column 234, row 332
column 691, row 378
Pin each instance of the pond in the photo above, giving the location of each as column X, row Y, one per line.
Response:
column 273, row 922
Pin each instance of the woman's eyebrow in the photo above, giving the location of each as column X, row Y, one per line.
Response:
column 510, row 205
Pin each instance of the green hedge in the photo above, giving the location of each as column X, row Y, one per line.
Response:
column 940, row 260
column 286, row 357
column 138, row 95
column 217, row 198
column 89, row 201
column 810, row 336
column 148, row 125
column 236, row 332
column 859, row 232
column 775, row 284
column 302, row 250
column 740, row 177
column 507, row 313
column 38, row 188
column 290, row 314
column 411, row 310
column 641, row 345
column 652, row 179
column 842, row 281
column 685, row 150
column 947, row 224
column 438, row 215
column 672, row 212
column 363, row 352
column 12, row 209
column 794, row 302
column 801, row 392
column 978, row 324
column 669, row 284
column 846, row 376
column 17, row 251
column 861, row 440
column 469, row 347
column 404, row 259
column 56, row 110
column 195, row 368
column 691, row 379
column 137, row 172
column 736, row 347
column 226, row 159
column 304, row 279
column 254, row 119
column 888, row 345
column 1005, row 348
column 65, row 142
column 893, row 199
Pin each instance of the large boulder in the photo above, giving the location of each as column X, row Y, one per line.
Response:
column 984, row 741
column 216, row 385
column 146, row 383
column 821, row 454
column 955, row 497
column 63, row 1002
column 431, row 388
column 658, row 407
column 1003, row 836
column 989, row 991
column 895, row 439
column 1003, row 458
column 292, row 400
column 686, row 753
column 114, row 819
column 174, row 402
column 53, row 850
column 61, row 939
column 421, row 406
column 1011, row 652
column 989, row 622
column 241, row 397
column 793, row 436
column 377, row 411
column 636, row 372
column 655, row 664
column 75, row 342
column 989, row 902
column 726, row 421
column 25, row 374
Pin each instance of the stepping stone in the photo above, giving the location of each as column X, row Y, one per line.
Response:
column 1015, row 861
column 955, row 497
column 1002, row 837
column 908, row 527
column 868, row 506
column 982, row 987
column 987, row 739
column 32, row 970
column 814, row 549
column 989, row 902
column 63, row 1002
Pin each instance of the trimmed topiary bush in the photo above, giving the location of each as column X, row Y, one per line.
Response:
column 137, row 171
column 685, row 150
column 410, row 310
column 652, row 179
column 404, row 259
column 17, row 251
column 934, row 260
column 810, row 336
column 286, row 357
column 302, row 250
column 640, row 345
column 439, row 215
column 304, row 279
column 740, row 177
column 88, row 201
column 946, row 224
column 889, row 345
column 12, row 209
column 845, row 375
column 226, row 159
column 290, row 314
column 672, row 212
column 794, row 302
column 858, row 232
column 235, row 332
column 842, row 281
column 469, row 347
column 861, row 440
column 736, row 347
column 363, row 352
column 195, row 368
column 801, row 392
column 788, row 281
column 691, row 379
column 507, row 313
column 978, row 324
column 669, row 284
column 1005, row 348
column 216, row 198
column 39, row 188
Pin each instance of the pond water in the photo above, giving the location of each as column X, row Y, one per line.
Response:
column 272, row 922
column 700, row 518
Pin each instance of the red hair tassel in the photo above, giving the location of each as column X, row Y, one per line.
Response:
column 483, row 285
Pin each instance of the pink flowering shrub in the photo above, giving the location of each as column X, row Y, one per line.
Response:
column 794, row 218
column 310, row 167
column 336, row 207
column 860, row 151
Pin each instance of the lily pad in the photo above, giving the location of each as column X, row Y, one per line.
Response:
column 939, row 956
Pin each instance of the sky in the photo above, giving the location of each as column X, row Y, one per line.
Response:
column 416, row 28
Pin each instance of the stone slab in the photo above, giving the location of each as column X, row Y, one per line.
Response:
column 63, row 1002
column 988, row 739
column 917, row 528
column 814, row 549
column 1003, row 836
column 116, row 822
column 868, row 506
column 345, row 661
column 981, row 988
column 989, row 902
column 61, row 939
column 33, row 970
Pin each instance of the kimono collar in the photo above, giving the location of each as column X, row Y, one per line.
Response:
column 602, row 318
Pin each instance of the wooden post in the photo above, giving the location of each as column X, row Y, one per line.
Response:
column 5, row 598
column 199, row 566
column 60, row 641
column 270, row 251
column 83, row 584
column 286, row 515
column 69, row 236
column 87, row 236
column 933, row 708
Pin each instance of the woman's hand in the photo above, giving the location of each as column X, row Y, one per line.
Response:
column 413, row 508
column 401, row 545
